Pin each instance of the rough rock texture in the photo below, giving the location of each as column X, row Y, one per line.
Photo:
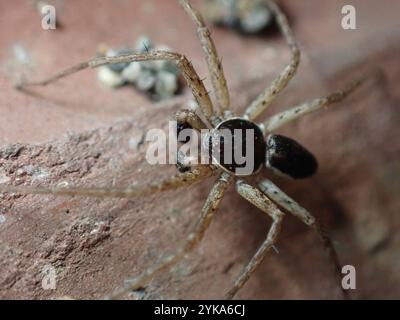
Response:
column 95, row 244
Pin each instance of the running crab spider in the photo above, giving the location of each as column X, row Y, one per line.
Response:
column 278, row 153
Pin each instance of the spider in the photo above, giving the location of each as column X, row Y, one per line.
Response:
column 280, row 154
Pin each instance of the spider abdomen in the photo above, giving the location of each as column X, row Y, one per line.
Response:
column 290, row 158
column 238, row 146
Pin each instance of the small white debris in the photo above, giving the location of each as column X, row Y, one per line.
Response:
column 143, row 44
column 109, row 77
column 135, row 141
column 139, row 294
column 98, row 226
column 256, row 20
column 63, row 184
column 146, row 80
column 249, row 17
column 20, row 172
column 166, row 84
column 21, row 55
column 3, row 176
column 2, row 218
column 159, row 79
column 132, row 72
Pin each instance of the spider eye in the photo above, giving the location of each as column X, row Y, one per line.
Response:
column 290, row 158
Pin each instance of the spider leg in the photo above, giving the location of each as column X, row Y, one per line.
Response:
column 284, row 201
column 261, row 103
column 284, row 117
column 207, row 214
column 178, row 181
column 190, row 118
column 189, row 73
column 214, row 63
column 261, row 201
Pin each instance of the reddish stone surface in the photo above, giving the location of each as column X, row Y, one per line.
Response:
column 78, row 132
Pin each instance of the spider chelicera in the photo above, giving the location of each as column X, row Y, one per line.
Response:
column 278, row 153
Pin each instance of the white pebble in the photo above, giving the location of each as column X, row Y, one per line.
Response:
column 166, row 84
column 2, row 218
column 109, row 77
column 256, row 20
column 3, row 176
column 143, row 44
column 63, row 184
column 111, row 52
column 135, row 141
column 132, row 72
column 146, row 80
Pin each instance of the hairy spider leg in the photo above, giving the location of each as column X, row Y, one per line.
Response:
column 177, row 181
column 264, row 100
column 290, row 205
column 261, row 201
column 207, row 214
column 276, row 121
column 214, row 63
column 194, row 82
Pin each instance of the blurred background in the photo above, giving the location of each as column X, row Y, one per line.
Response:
column 82, row 132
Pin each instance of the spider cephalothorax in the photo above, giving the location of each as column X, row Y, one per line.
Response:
column 246, row 147
column 276, row 152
